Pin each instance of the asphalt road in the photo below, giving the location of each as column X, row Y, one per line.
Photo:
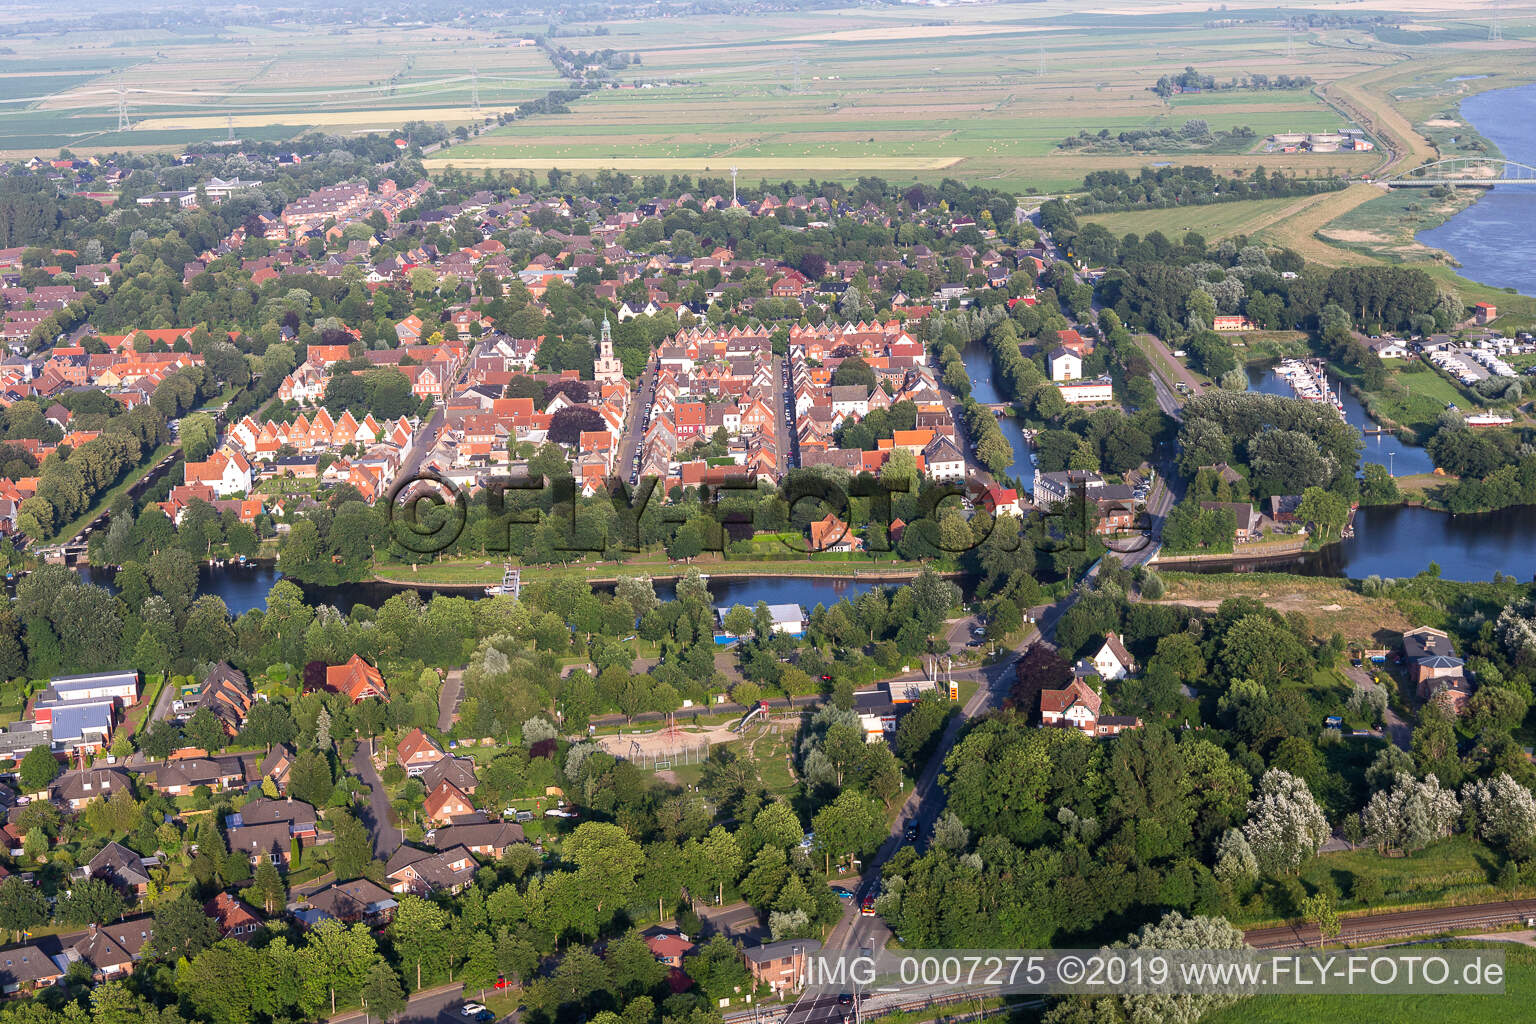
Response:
column 386, row 838
column 434, row 1006
column 634, row 433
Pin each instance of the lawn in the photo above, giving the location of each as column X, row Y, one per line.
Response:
column 1519, row 990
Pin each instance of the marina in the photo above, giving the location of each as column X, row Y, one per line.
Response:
column 1308, row 379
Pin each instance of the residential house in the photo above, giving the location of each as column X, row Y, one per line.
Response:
column 1065, row 364
column 77, row 789
column 112, row 949
column 486, row 838
column 943, row 459
column 348, row 902
column 236, row 919
column 1246, row 515
column 226, row 472
column 27, row 969
column 1435, row 668
column 226, row 693
column 269, row 829
column 1077, row 706
column 276, row 766
column 1113, row 661
column 780, row 965
column 356, row 679
column 122, row 867
column 669, row 947
column 417, row 752
column 832, row 534
column 446, row 803
column 457, row 771
column 420, row 872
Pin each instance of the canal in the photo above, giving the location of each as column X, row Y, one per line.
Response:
column 244, row 587
column 978, row 363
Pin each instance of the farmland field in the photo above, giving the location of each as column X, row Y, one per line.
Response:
column 261, row 82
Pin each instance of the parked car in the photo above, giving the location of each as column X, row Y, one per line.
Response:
column 476, row 1011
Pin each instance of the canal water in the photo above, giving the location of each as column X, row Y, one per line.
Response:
column 1398, row 541
column 244, row 587
column 1491, row 239
column 1382, row 449
column 978, row 363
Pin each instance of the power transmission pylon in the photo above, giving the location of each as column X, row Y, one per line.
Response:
column 229, row 123
column 1041, row 69
column 1495, row 33
column 1290, row 43
column 123, row 124
column 474, row 90
column 794, row 63
column 733, row 186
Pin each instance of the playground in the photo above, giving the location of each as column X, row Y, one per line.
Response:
column 671, row 745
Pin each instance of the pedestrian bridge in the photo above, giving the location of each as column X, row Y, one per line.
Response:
column 1465, row 172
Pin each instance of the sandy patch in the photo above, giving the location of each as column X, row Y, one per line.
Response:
column 719, row 163
column 1354, row 236
column 1442, row 122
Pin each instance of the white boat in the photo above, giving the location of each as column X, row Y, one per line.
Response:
column 1489, row 419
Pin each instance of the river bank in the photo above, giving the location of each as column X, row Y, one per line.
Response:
column 464, row 576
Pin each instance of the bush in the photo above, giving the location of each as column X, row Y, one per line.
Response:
column 1366, row 889
column 393, row 775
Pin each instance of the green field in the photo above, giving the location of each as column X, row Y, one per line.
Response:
column 1519, row 995
column 886, row 91
column 1216, row 221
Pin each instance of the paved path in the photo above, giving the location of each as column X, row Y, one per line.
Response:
column 1400, row 732
column 431, row 1006
column 448, row 698
column 386, row 837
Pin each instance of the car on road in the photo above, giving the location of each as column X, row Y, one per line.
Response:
column 841, row 893
column 476, row 1011
column 976, row 643
column 978, row 631
column 844, row 999
column 912, row 832
column 867, row 908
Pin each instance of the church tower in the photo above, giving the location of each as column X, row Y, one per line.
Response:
column 607, row 369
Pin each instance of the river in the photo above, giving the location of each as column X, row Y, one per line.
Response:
column 244, row 587
column 1382, row 449
column 978, row 361
column 1491, row 239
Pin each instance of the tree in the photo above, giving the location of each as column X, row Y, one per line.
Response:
column 38, row 769
column 92, row 901
column 851, row 825
column 352, row 850
column 22, row 905
column 381, row 993
column 1327, row 511
column 1504, row 814
column 268, row 887
column 1235, row 862
column 717, row 968
column 181, row 928
column 1410, row 815
column 1285, row 826
column 1318, row 910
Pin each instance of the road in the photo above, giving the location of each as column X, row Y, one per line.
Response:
column 634, row 430
column 1397, row 924
column 433, row 1006
column 448, row 698
column 386, row 838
